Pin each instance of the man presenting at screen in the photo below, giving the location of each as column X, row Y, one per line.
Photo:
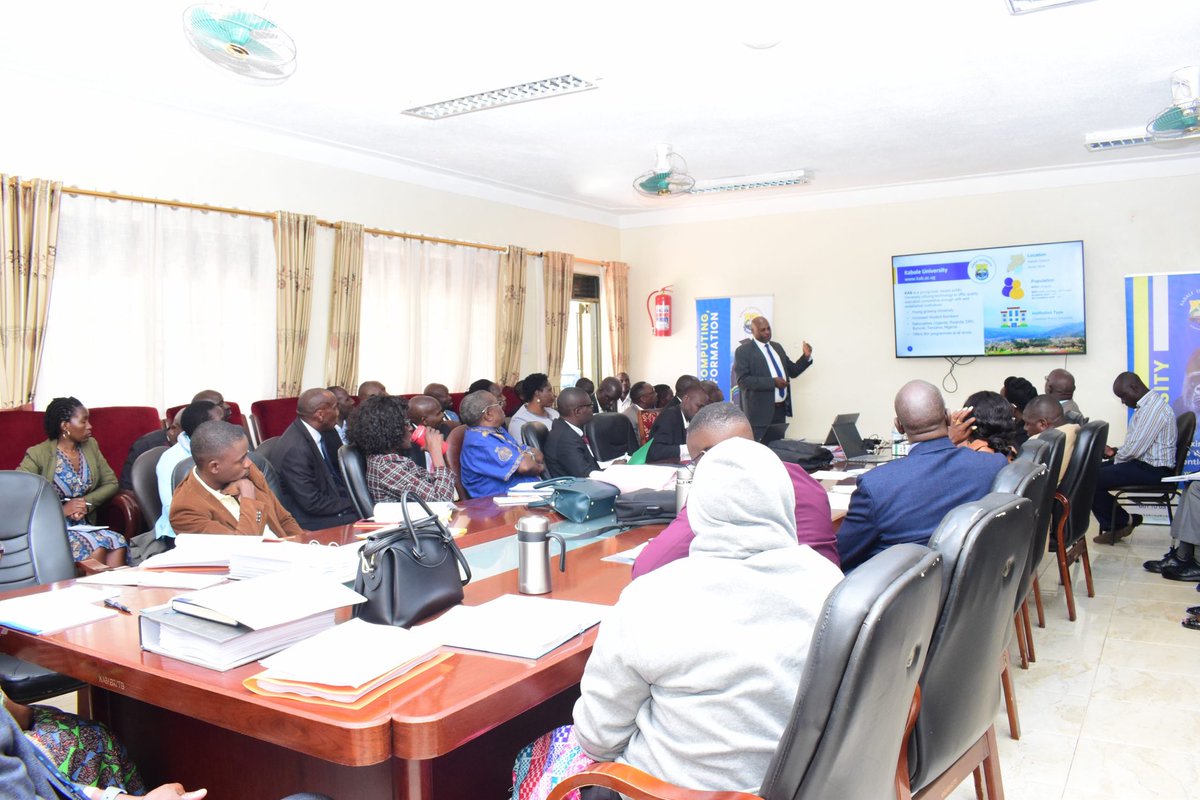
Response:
column 762, row 371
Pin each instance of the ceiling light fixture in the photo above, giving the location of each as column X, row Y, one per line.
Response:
column 1107, row 140
column 770, row 180
column 1029, row 6
column 510, row 95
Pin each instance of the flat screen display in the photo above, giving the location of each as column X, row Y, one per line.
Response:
column 1019, row 300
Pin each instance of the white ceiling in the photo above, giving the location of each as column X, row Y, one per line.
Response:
column 863, row 94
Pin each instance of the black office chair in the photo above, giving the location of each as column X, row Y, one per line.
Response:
column 1073, row 508
column 145, row 485
column 847, row 726
column 33, row 532
column 256, row 457
column 1161, row 494
column 611, row 436
column 1049, row 449
column 534, row 434
column 266, row 448
column 984, row 546
column 354, row 472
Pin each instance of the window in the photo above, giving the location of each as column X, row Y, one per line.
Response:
column 581, row 358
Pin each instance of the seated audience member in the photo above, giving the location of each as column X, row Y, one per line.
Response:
column 715, row 395
column 608, row 395
column 664, row 395
column 1019, row 392
column 1182, row 561
column 492, row 461
column 191, row 417
column 382, row 432
column 689, row 679
column 370, row 389
column 313, row 488
column 714, row 424
column 425, row 411
column 668, row 434
column 1060, row 385
column 162, row 437
column 1044, row 412
column 624, row 400
column 589, row 387
column 995, row 428
column 682, row 384
column 538, row 395
column 484, row 385
column 439, row 392
column 345, row 405
column 904, row 500
column 1146, row 457
column 225, row 492
column 568, row 451
column 644, row 397
column 71, row 460
column 216, row 398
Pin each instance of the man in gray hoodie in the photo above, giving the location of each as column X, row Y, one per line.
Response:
column 695, row 671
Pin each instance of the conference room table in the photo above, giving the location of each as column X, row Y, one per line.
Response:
column 451, row 731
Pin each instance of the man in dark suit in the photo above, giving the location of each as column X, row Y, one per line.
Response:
column 668, row 434
column 682, row 384
column 762, row 371
column 306, row 460
column 905, row 499
column 163, row 437
column 568, row 452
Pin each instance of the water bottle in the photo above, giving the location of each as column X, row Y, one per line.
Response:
column 533, row 554
column 683, row 485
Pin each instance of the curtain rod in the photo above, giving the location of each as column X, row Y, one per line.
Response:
column 133, row 198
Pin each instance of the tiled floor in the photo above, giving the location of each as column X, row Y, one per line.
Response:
column 1109, row 709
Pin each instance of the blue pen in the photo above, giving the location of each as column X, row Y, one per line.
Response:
column 118, row 605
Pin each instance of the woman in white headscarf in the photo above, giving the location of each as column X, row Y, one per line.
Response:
column 695, row 671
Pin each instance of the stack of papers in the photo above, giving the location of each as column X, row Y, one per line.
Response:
column 523, row 494
column 351, row 664
column 218, row 646
column 627, row 556
column 202, row 550
column 53, row 611
column 268, row 600
column 394, row 512
column 514, row 625
column 153, row 580
column 631, row 477
column 339, row 563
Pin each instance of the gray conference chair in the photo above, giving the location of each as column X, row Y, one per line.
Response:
column 145, row 485
column 1073, row 509
column 847, row 727
column 984, row 545
column 354, row 472
column 1049, row 449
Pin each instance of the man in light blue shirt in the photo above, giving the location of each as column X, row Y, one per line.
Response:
column 191, row 417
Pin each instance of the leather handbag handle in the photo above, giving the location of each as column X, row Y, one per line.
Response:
column 447, row 537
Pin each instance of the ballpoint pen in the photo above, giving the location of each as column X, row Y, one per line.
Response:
column 118, row 605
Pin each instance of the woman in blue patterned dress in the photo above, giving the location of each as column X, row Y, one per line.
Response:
column 71, row 460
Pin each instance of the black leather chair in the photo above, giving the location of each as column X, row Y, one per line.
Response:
column 1162, row 494
column 1073, row 509
column 33, row 531
column 256, row 457
column 266, row 448
column 534, row 434
column 984, row 545
column 354, row 472
column 1031, row 480
column 145, row 485
column 1049, row 449
column 612, row 436
column 848, row 723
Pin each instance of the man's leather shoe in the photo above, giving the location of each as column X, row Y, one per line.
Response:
column 1170, row 560
column 1188, row 572
column 1112, row 537
column 1194, row 611
column 1191, row 622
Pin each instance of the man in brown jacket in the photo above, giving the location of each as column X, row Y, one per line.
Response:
column 225, row 492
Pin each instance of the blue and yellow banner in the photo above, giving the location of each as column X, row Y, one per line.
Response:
column 1162, row 319
column 723, row 323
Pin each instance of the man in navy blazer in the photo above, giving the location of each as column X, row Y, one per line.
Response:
column 762, row 372
column 904, row 500
column 306, row 460
column 568, row 451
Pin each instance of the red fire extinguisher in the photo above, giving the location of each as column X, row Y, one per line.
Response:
column 660, row 316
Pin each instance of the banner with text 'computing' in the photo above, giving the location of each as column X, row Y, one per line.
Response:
column 722, row 323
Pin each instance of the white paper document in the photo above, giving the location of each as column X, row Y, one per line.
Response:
column 53, row 611
column 394, row 512
column 202, row 550
column 351, row 654
column 829, row 475
column 631, row 477
column 839, row 501
column 271, row 599
column 1190, row 476
column 514, row 625
column 627, row 556
column 155, row 580
column 339, row 563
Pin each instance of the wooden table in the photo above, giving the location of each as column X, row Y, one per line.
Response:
column 450, row 732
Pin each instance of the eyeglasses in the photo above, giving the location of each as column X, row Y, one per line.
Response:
column 488, row 408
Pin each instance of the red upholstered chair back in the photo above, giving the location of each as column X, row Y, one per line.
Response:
column 646, row 417
column 116, row 427
column 511, row 401
column 19, row 431
column 456, row 399
column 272, row 417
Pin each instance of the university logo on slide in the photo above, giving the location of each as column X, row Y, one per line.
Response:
column 982, row 269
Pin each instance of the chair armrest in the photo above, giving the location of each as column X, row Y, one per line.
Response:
column 633, row 783
column 122, row 514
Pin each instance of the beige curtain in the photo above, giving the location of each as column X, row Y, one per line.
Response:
column 295, row 248
column 28, row 242
column 510, row 316
column 616, row 300
column 558, row 272
column 341, row 356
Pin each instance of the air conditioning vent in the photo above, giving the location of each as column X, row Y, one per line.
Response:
column 585, row 287
column 1108, row 140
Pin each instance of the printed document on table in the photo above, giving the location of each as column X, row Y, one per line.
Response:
column 351, row 654
column 272, row 599
column 202, row 550
column 53, row 611
column 514, row 625
column 627, row 556
column 155, row 580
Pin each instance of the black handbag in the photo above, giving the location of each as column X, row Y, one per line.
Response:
column 580, row 499
column 646, row 507
column 411, row 573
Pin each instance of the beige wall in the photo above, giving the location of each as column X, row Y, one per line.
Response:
column 830, row 274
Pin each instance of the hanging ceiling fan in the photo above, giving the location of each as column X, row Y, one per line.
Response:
column 1177, row 122
column 240, row 41
column 670, row 177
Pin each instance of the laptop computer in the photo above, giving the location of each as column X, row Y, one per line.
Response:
column 840, row 419
column 852, row 445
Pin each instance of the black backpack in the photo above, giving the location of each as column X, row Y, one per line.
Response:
column 811, row 457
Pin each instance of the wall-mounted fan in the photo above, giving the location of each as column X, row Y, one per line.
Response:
column 668, row 177
column 1181, row 119
column 240, row 41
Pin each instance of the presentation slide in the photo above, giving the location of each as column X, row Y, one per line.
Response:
column 998, row 301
